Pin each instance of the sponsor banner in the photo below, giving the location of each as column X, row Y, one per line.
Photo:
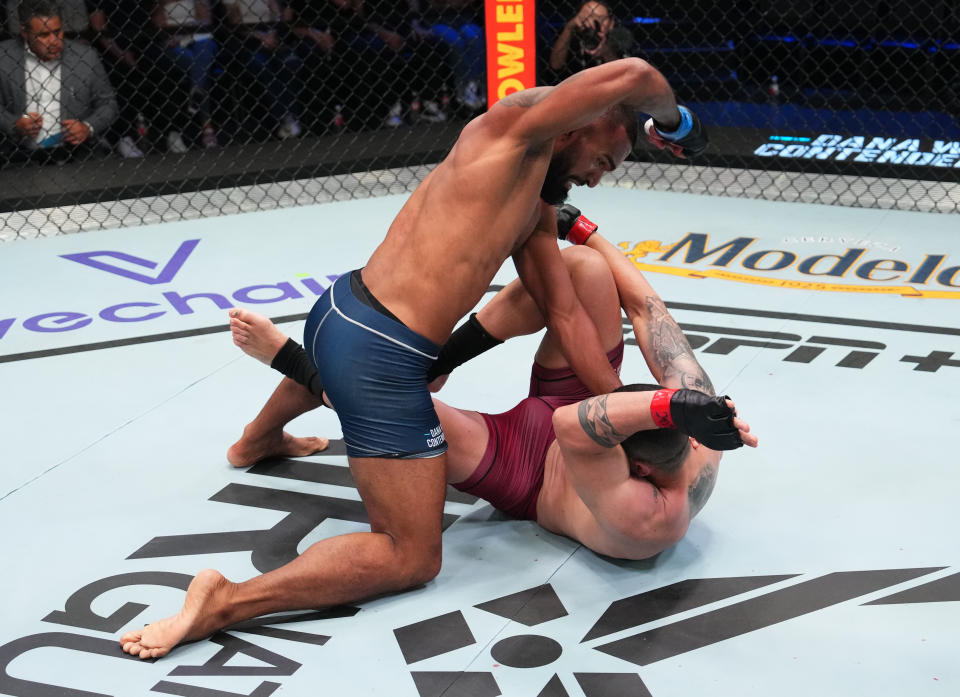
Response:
column 913, row 156
column 910, row 152
column 511, row 49
column 856, row 266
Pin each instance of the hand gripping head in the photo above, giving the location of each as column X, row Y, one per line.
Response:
column 706, row 418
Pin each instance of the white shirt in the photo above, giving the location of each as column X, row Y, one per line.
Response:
column 254, row 11
column 43, row 92
column 180, row 13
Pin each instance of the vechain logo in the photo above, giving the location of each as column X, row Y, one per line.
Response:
column 165, row 276
column 149, row 274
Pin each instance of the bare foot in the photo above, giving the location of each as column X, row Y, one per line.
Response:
column 255, row 334
column 197, row 619
column 250, row 448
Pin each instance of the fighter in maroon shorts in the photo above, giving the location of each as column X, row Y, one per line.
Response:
column 622, row 473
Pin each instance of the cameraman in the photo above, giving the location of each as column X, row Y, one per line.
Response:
column 592, row 37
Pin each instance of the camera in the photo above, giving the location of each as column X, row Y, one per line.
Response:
column 589, row 36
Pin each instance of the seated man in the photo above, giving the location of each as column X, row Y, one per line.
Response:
column 554, row 458
column 55, row 98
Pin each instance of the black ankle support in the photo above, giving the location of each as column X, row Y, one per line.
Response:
column 293, row 361
column 468, row 341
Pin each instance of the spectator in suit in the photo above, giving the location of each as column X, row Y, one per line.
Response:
column 74, row 15
column 55, row 97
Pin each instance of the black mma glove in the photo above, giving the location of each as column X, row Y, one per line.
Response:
column 690, row 135
column 572, row 226
column 706, row 418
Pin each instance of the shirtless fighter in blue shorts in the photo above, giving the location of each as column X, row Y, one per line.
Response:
column 554, row 458
column 375, row 333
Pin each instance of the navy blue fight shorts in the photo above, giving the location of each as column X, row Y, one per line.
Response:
column 374, row 372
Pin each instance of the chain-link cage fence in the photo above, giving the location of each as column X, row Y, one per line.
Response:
column 130, row 111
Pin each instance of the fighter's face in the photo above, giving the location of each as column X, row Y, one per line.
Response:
column 583, row 156
column 44, row 36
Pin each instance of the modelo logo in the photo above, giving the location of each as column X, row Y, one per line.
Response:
column 695, row 248
column 143, row 310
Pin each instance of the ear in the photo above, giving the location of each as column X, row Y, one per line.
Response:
column 694, row 443
column 642, row 468
column 565, row 139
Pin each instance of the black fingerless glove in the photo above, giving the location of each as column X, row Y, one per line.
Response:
column 706, row 418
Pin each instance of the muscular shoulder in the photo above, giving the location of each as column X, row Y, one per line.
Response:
column 507, row 117
column 525, row 98
column 492, row 140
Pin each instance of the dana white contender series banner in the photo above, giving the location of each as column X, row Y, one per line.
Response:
column 860, row 148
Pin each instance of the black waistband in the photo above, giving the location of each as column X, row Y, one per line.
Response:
column 364, row 295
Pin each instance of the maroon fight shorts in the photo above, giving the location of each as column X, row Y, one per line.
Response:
column 511, row 472
column 564, row 383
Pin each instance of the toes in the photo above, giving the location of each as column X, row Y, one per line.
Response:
column 131, row 636
column 131, row 648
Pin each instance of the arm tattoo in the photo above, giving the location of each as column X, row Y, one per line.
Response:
column 595, row 422
column 672, row 352
column 701, row 488
column 526, row 98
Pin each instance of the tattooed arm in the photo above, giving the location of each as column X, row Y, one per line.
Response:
column 592, row 429
column 664, row 347
column 624, row 512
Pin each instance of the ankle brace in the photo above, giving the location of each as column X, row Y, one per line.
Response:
column 293, row 361
column 468, row 341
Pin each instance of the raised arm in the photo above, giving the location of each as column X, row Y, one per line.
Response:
column 541, row 113
column 664, row 347
column 546, row 278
